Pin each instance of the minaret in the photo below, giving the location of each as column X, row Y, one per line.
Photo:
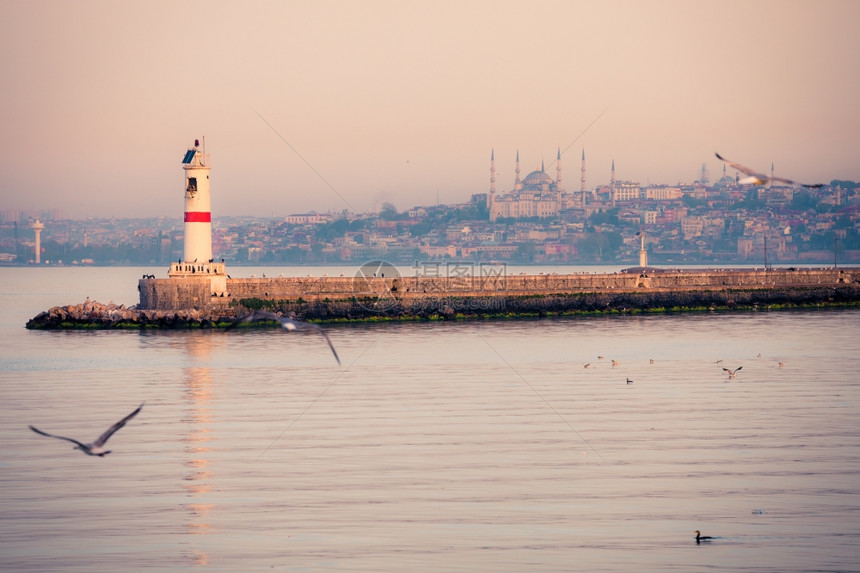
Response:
column 37, row 226
column 643, row 254
column 558, row 170
column 582, row 181
column 544, row 186
column 770, row 183
column 558, row 179
column 612, row 183
column 517, row 183
column 491, row 196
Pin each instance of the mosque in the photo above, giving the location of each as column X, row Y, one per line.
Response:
column 729, row 181
column 536, row 195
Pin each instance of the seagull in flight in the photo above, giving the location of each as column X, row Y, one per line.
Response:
column 287, row 324
column 760, row 178
column 733, row 373
column 95, row 448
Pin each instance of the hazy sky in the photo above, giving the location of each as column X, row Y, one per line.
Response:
column 400, row 101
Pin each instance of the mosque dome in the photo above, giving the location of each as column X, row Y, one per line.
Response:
column 537, row 178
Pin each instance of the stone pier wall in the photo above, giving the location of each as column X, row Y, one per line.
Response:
column 197, row 292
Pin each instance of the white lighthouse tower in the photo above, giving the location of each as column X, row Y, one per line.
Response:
column 37, row 227
column 643, row 254
column 197, row 258
column 198, row 210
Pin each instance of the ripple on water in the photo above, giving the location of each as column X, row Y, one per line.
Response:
column 481, row 446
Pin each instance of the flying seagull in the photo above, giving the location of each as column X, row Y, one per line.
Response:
column 95, row 448
column 733, row 373
column 287, row 324
column 760, row 178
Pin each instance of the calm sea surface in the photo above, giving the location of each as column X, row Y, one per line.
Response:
column 468, row 446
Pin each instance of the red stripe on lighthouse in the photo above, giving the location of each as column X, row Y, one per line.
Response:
column 197, row 217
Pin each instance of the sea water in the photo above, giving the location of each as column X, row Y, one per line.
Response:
column 455, row 446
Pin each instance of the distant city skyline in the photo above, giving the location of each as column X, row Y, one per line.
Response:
column 338, row 105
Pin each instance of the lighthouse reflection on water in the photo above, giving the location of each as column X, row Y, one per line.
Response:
column 199, row 476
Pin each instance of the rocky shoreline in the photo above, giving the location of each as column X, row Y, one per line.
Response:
column 95, row 315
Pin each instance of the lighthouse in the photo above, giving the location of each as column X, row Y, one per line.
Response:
column 643, row 254
column 198, row 216
column 37, row 227
column 197, row 258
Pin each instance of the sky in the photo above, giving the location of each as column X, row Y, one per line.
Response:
column 333, row 105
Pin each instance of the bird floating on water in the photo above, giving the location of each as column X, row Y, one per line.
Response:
column 96, row 447
column 288, row 324
column 733, row 373
column 700, row 537
column 760, row 178
column 629, row 381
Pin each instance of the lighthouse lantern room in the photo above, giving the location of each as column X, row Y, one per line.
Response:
column 197, row 255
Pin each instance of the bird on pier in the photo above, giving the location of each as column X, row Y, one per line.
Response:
column 760, row 178
column 733, row 373
column 287, row 324
column 96, row 447
column 700, row 537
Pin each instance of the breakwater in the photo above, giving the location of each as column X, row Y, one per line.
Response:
column 197, row 293
column 93, row 314
column 191, row 302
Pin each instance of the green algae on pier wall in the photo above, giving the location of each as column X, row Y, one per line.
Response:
column 562, row 304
